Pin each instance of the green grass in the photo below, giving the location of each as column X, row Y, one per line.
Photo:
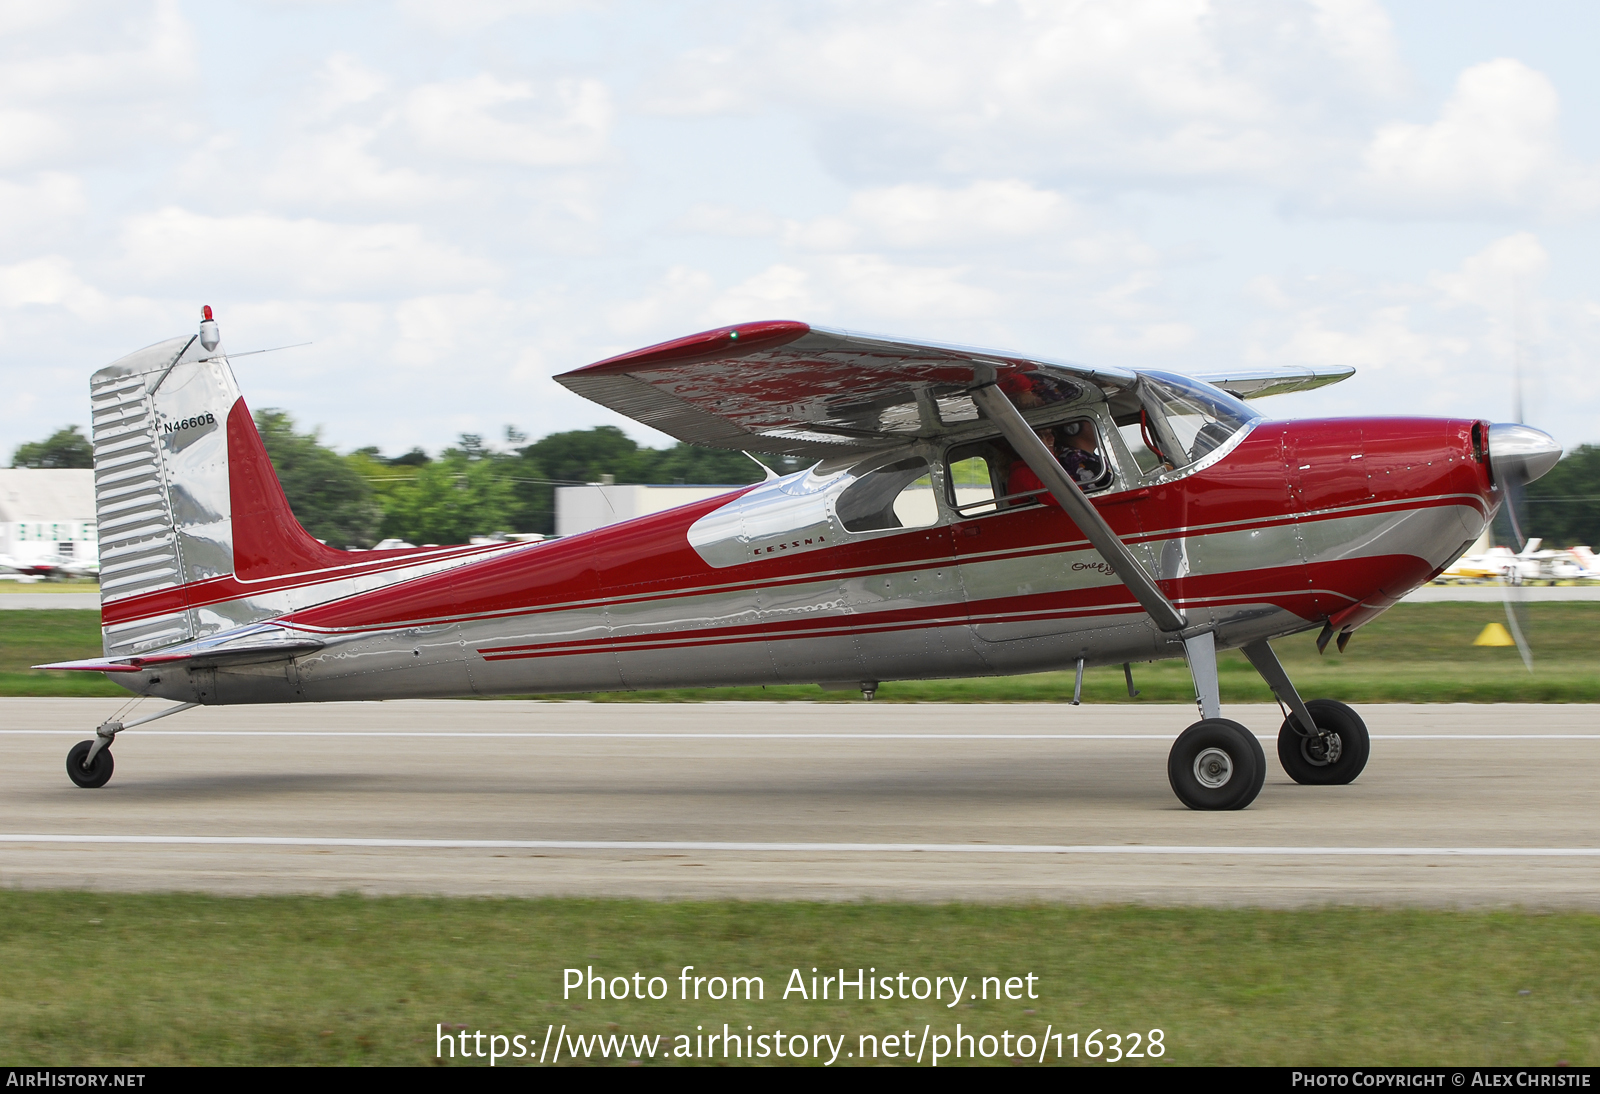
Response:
column 39, row 637
column 72, row 585
column 1415, row 653
column 102, row 979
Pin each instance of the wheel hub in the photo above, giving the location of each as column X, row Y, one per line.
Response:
column 1322, row 749
column 1213, row 768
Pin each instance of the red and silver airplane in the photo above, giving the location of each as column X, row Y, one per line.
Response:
column 969, row 513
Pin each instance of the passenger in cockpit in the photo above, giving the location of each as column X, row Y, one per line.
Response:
column 1021, row 478
column 1079, row 457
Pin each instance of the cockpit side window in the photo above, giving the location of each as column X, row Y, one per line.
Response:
column 987, row 476
column 897, row 495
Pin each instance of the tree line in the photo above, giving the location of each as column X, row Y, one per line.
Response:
column 471, row 488
column 476, row 488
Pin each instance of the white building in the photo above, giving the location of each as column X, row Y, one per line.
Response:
column 47, row 518
column 584, row 508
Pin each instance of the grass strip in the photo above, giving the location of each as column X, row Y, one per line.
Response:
column 1414, row 653
column 142, row 979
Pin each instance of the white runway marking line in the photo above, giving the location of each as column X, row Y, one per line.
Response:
column 843, row 848
column 775, row 736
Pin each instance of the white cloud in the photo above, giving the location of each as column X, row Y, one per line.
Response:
column 1360, row 33
column 81, row 85
column 292, row 257
column 338, row 167
column 562, row 124
column 1495, row 143
column 986, row 213
column 40, row 212
column 704, row 218
column 432, row 330
column 1445, row 343
column 1495, row 277
column 479, row 190
column 47, row 281
column 464, row 17
column 778, row 292
column 1143, row 88
column 345, row 82
column 681, row 291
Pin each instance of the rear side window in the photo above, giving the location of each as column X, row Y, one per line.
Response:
column 977, row 476
column 899, row 495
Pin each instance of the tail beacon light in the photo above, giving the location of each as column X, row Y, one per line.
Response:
column 208, row 329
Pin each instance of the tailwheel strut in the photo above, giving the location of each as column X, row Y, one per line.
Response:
column 89, row 763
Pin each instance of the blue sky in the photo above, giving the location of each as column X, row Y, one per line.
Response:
column 455, row 201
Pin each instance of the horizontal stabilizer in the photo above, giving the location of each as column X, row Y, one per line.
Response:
column 229, row 655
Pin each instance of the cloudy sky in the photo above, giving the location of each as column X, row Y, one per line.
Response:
column 454, row 201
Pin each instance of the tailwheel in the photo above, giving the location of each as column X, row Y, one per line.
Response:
column 1331, row 758
column 1216, row 764
column 95, row 775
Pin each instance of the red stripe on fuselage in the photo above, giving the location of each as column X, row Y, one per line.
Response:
column 1076, row 604
column 220, row 590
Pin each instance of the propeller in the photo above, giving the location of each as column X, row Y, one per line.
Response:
column 1518, row 454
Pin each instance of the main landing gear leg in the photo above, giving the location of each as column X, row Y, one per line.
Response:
column 89, row 763
column 1323, row 742
column 1215, row 763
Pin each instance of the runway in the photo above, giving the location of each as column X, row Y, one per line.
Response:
column 1461, row 805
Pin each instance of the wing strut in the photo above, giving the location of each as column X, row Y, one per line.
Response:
column 1199, row 647
column 999, row 410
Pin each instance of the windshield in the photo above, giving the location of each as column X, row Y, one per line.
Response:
column 1193, row 419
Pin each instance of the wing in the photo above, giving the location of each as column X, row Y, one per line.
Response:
column 1258, row 383
column 789, row 388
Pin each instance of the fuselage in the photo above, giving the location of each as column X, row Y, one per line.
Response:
column 1288, row 526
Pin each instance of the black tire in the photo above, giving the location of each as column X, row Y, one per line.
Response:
column 1305, row 758
column 91, row 778
column 1216, row 764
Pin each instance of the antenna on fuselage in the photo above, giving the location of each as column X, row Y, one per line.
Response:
column 771, row 474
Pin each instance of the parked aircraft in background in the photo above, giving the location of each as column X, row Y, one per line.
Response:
column 47, row 568
column 968, row 512
column 1527, row 566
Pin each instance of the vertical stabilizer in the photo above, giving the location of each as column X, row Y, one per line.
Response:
column 196, row 534
column 161, row 484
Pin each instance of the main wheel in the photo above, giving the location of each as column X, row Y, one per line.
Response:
column 1216, row 764
column 90, row 778
column 1332, row 759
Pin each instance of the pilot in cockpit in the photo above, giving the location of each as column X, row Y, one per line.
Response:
column 1080, row 456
